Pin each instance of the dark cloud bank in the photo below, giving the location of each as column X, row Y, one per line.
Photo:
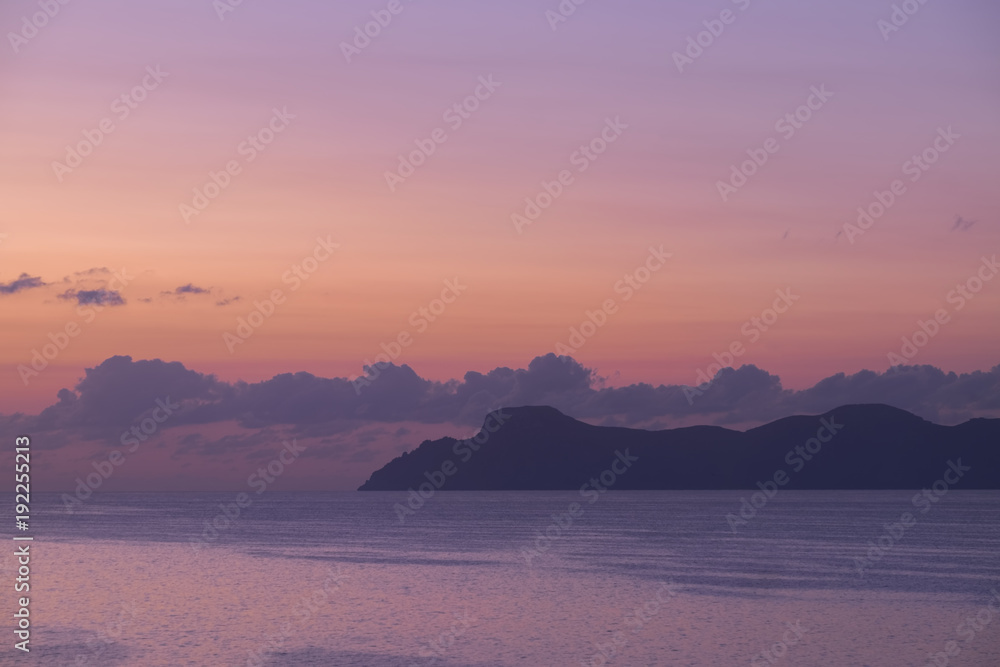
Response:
column 119, row 391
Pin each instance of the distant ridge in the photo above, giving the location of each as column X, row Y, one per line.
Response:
column 868, row 446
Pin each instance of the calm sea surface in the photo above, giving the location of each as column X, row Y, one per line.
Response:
column 491, row 579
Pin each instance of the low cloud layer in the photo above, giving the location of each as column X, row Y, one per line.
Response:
column 120, row 391
column 181, row 430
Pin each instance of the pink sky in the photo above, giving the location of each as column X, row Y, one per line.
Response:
column 656, row 184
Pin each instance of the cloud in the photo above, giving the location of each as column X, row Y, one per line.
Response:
column 178, row 294
column 88, row 274
column 961, row 224
column 187, row 289
column 120, row 391
column 255, row 445
column 218, row 432
column 23, row 282
column 87, row 287
column 98, row 297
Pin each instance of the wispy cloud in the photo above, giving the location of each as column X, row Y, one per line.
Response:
column 189, row 289
column 179, row 294
column 23, row 282
column 961, row 224
column 98, row 297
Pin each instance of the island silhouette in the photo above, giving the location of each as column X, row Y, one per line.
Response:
column 871, row 446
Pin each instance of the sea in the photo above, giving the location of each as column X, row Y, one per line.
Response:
column 495, row 579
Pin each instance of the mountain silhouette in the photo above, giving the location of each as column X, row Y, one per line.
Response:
column 869, row 446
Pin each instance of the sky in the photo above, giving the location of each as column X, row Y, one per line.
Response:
column 262, row 189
